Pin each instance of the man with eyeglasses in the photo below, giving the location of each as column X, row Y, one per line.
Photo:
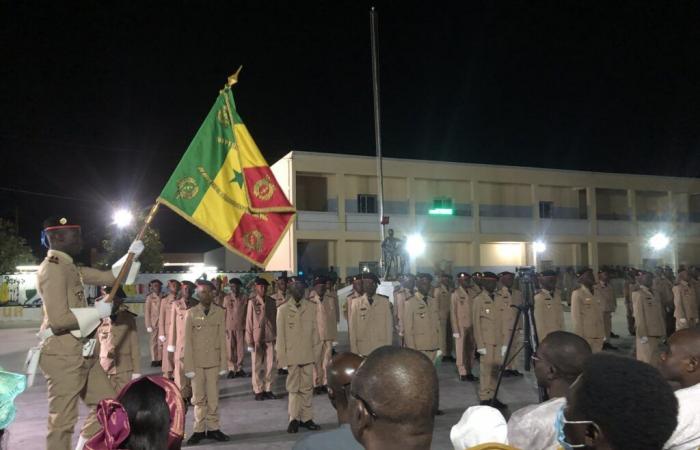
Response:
column 617, row 403
column 558, row 362
column 680, row 363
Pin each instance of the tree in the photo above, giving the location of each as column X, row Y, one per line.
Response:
column 117, row 244
column 14, row 250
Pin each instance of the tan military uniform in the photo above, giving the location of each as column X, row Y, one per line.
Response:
column 280, row 298
column 488, row 336
column 461, row 320
column 473, row 291
column 327, row 318
column 164, row 325
column 443, row 295
column 651, row 327
column 205, row 355
column 119, row 348
column 69, row 375
column 627, row 289
column 422, row 325
column 236, row 308
column 370, row 325
column 549, row 314
column 587, row 317
column 686, row 311
column 399, row 309
column 176, row 345
column 506, row 299
column 151, row 316
column 348, row 304
column 607, row 295
column 298, row 348
column 260, row 333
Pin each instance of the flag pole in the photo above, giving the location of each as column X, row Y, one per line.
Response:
column 130, row 256
column 377, row 126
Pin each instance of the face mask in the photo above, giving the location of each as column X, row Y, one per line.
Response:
column 559, row 427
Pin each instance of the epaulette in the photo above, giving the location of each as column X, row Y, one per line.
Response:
column 53, row 259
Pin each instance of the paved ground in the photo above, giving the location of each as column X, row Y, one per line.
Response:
column 258, row 425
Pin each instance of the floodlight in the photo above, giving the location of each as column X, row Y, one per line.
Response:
column 415, row 245
column 122, row 218
column 539, row 246
column 659, row 241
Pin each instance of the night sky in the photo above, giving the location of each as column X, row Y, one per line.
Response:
column 99, row 101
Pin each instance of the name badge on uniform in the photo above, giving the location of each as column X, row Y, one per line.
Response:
column 487, row 311
column 89, row 347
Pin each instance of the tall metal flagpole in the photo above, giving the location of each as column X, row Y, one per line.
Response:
column 377, row 125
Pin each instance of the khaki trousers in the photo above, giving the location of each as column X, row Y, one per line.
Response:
column 155, row 345
column 68, row 378
column 300, row 388
column 205, row 398
column 649, row 352
column 464, row 350
column 168, row 361
column 181, row 381
column 321, row 366
column 488, row 371
column 445, row 348
column 607, row 323
column 120, row 379
column 235, row 340
column 595, row 343
column 263, row 364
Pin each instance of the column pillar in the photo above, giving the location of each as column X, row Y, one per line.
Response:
column 340, row 189
column 341, row 258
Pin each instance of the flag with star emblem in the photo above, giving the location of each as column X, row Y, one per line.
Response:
column 224, row 186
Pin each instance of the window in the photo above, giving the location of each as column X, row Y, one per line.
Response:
column 367, row 203
column 546, row 210
column 442, row 203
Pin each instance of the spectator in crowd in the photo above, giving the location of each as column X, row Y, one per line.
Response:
column 680, row 363
column 558, row 362
column 394, row 400
column 617, row 403
column 481, row 427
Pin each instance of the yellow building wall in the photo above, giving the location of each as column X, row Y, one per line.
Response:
column 458, row 253
column 504, row 194
column 395, row 189
column 503, row 254
column 561, row 255
column 425, row 190
column 651, row 202
column 561, row 196
column 612, row 254
column 611, row 201
column 680, row 202
column 358, row 184
column 689, row 254
column 356, row 251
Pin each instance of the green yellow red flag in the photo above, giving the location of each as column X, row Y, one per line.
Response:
column 224, row 186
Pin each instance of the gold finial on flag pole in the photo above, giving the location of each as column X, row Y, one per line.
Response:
column 233, row 79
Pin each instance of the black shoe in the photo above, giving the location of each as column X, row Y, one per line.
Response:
column 607, row 346
column 462, row 378
column 498, row 404
column 159, row 363
column 259, row 396
column 282, row 372
column 449, row 358
column 154, row 364
column 471, row 377
column 241, row 373
column 217, row 435
column 485, row 402
column 318, row 390
column 196, row 438
column 231, row 374
column 507, row 373
column 614, row 336
column 515, row 373
column 439, row 412
column 310, row 425
column 270, row 395
column 324, row 388
column 293, row 426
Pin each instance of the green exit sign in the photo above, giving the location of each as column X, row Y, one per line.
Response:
column 441, row 211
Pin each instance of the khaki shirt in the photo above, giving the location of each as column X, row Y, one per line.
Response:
column 298, row 342
column 664, row 288
column 443, row 296
column 461, row 310
column 280, row 298
column 649, row 317
column 119, row 343
column 505, row 298
column 607, row 295
column 400, row 298
column 205, row 338
column 60, row 285
column 487, row 317
column 422, row 323
column 348, row 304
column 166, row 304
column 549, row 314
column 587, row 314
column 176, row 335
column 327, row 316
column 370, row 325
column 151, row 311
column 236, row 308
column 473, row 291
column 260, row 321
column 684, row 300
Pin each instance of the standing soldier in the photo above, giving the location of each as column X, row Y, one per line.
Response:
column 260, row 334
column 686, row 311
column 462, row 330
column 587, row 311
column 549, row 314
column 422, row 319
column 488, row 335
column 408, row 285
column 508, row 299
column 370, row 318
column 69, row 355
column 119, row 344
column 219, row 291
column 164, row 321
column 280, row 297
column 443, row 296
column 356, row 293
column 606, row 293
column 473, row 289
column 666, row 290
column 649, row 319
column 327, row 317
column 298, row 348
column 152, row 315
column 176, row 337
column 629, row 287
column 236, row 308
column 205, row 361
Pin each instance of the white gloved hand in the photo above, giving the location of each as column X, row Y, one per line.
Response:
column 455, row 335
column 250, row 349
column 133, row 270
column 644, row 340
column 335, row 343
column 503, row 350
column 134, row 376
column 189, row 375
column 481, row 351
column 683, row 321
column 149, row 329
column 161, row 338
column 171, row 348
column 285, row 367
column 46, row 333
column 222, row 372
column 136, row 248
column 103, row 309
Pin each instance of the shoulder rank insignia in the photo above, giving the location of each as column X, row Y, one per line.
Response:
column 53, row 259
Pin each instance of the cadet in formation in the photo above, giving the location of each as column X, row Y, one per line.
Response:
column 605, row 292
column 686, row 311
column 260, row 333
column 649, row 319
column 164, row 325
column 236, row 307
column 151, row 317
column 443, row 296
column 422, row 319
column 370, row 318
column 408, row 286
column 509, row 299
column 462, row 329
column 280, row 297
column 327, row 317
column 587, row 311
column 356, row 293
column 176, row 336
column 548, row 311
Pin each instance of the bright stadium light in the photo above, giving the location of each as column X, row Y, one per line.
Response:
column 441, row 212
column 122, row 218
column 659, row 241
column 415, row 245
column 539, row 246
